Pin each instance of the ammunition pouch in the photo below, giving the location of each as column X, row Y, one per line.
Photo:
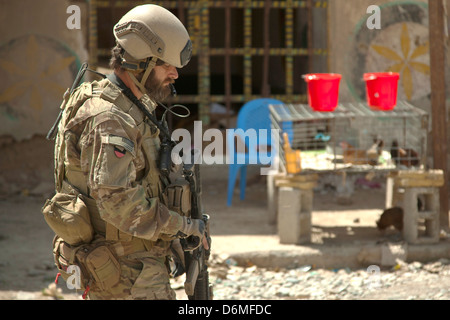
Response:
column 68, row 216
column 98, row 267
column 179, row 197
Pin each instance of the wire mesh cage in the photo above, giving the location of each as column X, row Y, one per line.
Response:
column 353, row 136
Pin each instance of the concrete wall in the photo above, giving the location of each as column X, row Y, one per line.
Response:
column 39, row 58
column 400, row 45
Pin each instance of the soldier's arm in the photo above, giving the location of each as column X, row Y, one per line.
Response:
column 121, row 201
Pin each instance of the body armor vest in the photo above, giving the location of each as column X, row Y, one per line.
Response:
column 69, row 177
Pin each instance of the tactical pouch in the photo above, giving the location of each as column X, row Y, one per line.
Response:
column 179, row 197
column 99, row 269
column 64, row 257
column 102, row 266
column 68, row 216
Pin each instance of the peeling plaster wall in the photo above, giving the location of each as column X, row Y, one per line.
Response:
column 400, row 45
column 39, row 58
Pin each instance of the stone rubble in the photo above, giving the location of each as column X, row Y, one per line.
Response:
column 405, row 281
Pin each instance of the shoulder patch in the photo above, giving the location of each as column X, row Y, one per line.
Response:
column 118, row 141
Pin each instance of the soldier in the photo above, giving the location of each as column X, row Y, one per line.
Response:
column 106, row 151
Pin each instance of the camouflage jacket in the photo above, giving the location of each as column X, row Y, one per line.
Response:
column 108, row 150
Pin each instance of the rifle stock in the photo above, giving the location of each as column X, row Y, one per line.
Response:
column 191, row 279
column 197, row 285
column 197, row 277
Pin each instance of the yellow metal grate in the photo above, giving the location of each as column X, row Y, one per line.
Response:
column 197, row 22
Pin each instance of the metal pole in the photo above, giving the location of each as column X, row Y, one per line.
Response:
column 265, row 92
column 310, row 36
column 227, row 60
column 438, row 108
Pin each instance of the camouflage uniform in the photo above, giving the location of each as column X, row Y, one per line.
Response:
column 108, row 151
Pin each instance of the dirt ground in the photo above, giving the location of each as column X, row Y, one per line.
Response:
column 26, row 265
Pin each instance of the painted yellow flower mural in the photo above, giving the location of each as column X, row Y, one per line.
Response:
column 36, row 75
column 405, row 62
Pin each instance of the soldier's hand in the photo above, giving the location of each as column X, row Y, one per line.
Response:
column 193, row 227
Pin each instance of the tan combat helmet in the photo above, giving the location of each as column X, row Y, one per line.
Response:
column 147, row 33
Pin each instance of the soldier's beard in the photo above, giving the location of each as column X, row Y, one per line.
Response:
column 157, row 89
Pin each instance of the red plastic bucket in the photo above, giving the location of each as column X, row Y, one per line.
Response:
column 323, row 90
column 381, row 89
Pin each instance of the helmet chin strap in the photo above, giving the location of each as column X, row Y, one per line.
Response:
column 141, row 84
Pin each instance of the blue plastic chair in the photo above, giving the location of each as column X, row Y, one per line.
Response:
column 253, row 115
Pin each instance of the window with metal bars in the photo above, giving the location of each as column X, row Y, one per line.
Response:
column 242, row 50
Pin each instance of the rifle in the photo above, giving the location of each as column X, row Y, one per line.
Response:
column 196, row 285
column 196, row 256
column 51, row 135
